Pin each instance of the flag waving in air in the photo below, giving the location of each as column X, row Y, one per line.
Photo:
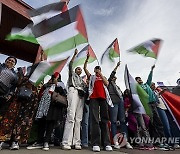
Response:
column 81, row 56
column 22, row 34
column 139, row 96
column 45, row 68
column 47, row 11
column 112, row 51
column 37, row 15
column 172, row 102
column 149, row 48
column 62, row 32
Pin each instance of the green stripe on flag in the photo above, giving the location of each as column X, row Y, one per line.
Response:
column 80, row 39
column 91, row 59
column 82, row 61
column 113, row 54
column 66, row 45
column 12, row 37
column 144, row 51
column 49, row 71
column 144, row 97
column 79, row 62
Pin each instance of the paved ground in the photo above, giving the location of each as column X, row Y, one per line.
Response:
column 57, row 150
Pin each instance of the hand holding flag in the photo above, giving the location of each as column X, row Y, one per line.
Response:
column 152, row 68
column 85, row 55
column 88, row 55
column 76, row 51
column 118, row 64
column 74, row 55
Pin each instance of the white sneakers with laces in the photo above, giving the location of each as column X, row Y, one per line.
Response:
column 14, row 146
column 1, row 144
column 96, row 149
column 66, row 147
column 35, row 146
column 108, row 148
column 46, row 146
column 78, row 147
column 128, row 146
column 117, row 146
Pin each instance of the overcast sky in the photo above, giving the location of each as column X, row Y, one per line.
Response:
column 133, row 22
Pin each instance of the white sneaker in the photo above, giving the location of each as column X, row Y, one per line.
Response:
column 35, row 146
column 96, row 148
column 66, row 147
column 108, row 148
column 1, row 144
column 176, row 146
column 117, row 146
column 128, row 146
column 78, row 147
column 14, row 146
column 46, row 146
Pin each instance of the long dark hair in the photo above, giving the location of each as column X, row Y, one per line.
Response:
column 126, row 93
column 13, row 58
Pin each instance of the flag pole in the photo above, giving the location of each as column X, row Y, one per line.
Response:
column 75, row 42
column 155, row 62
column 98, row 62
column 131, row 98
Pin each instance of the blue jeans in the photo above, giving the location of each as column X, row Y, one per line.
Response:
column 165, row 121
column 118, row 112
column 85, row 125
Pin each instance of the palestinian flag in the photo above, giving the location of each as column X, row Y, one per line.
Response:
column 62, row 32
column 37, row 16
column 81, row 56
column 22, row 34
column 112, row 51
column 144, row 98
column 172, row 103
column 45, row 68
column 148, row 49
column 47, row 11
column 139, row 96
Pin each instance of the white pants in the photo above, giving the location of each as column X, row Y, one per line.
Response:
column 71, row 134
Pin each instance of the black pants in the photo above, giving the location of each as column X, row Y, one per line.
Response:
column 3, row 106
column 97, row 105
column 45, row 128
column 58, row 133
column 156, row 126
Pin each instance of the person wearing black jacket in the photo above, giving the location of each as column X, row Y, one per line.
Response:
column 117, row 112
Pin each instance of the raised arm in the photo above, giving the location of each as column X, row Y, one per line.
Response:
column 114, row 72
column 85, row 67
column 149, row 80
column 105, row 81
column 72, row 60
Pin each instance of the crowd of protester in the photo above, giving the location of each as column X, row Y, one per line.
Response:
column 85, row 113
